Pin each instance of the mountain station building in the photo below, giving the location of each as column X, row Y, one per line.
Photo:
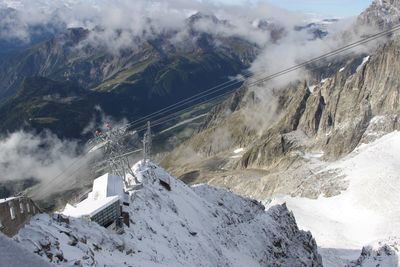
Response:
column 104, row 204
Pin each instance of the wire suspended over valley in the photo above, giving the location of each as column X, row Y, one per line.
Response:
column 174, row 111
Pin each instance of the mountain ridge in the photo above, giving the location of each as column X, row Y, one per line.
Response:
column 333, row 115
column 181, row 227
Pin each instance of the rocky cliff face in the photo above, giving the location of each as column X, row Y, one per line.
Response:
column 358, row 103
column 338, row 112
column 381, row 13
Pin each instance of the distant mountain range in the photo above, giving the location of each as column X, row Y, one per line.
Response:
column 138, row 80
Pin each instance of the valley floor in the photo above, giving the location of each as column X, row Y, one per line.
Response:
column 366, row 213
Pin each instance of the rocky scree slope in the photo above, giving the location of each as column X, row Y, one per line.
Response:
column 187, row 226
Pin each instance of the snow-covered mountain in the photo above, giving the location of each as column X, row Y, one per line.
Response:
column 381, row 13
column 330, row 155
column 187, row 226
column 367, row 213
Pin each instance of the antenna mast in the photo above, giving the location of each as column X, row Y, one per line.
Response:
column 147, row 143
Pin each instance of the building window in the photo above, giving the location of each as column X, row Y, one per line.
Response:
column 21, row 207
column 12, row 213
column 28, row 208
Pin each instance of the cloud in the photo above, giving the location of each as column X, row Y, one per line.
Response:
column 119, row 23
column 58, row 165
column 261, row 112
column 296, row 47
column 124, row 24
column 99, row 120
column 55, row 163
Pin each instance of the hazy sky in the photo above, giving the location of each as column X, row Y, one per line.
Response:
column 340, row 8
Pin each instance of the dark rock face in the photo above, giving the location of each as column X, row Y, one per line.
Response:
column 303, row 239
column 223, row 110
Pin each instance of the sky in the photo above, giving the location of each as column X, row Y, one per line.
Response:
column 335, row 8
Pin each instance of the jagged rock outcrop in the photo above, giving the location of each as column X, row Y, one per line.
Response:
column 223, row 110
column 384, row 253
column 381, row 13
column 359, row 103
column 337, row 113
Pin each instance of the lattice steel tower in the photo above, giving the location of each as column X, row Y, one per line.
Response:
column 113, row 143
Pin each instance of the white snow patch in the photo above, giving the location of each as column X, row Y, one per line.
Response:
column 365, row 60
column 314, row 155
column 239, row 150
column 342, row 69
column 237, row 153
column 12, row 254
column 378, row 119
column 368, row 211
column 183, row 123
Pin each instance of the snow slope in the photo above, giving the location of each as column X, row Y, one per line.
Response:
column 368, row 212
column 12, row 254
column 187, row 226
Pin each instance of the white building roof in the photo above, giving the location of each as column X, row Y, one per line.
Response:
column 88, row 207
column 107, row 185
